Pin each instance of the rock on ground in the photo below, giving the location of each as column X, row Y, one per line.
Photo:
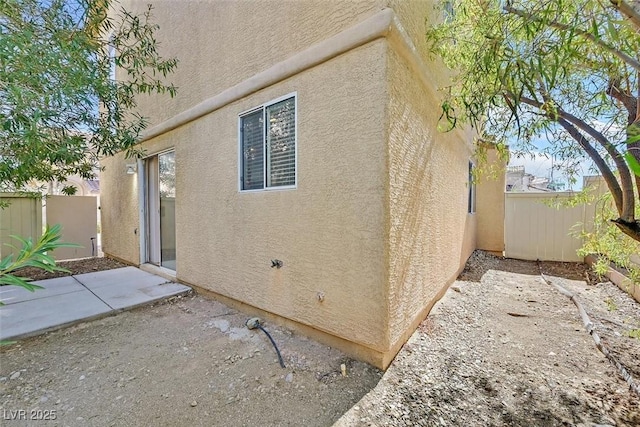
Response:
column 188, row 362
column 503, row 348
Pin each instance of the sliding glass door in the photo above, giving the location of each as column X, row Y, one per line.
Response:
column 161, row 209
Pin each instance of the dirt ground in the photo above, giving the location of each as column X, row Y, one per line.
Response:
column 502, row 348
column 188, row 362
column 80, row 266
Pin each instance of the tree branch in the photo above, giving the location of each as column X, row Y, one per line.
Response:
column 604, row 168
column 627, row 10
column 627, row 203
column 626, row 182
column 630, row 102
column 621, row 205
column 621, row 55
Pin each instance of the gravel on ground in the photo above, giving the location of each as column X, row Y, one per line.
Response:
column 187, row 362
column 503, row 348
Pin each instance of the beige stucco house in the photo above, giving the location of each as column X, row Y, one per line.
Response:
column 299, row 173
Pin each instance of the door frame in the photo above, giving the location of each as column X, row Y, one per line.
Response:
column 149, row 256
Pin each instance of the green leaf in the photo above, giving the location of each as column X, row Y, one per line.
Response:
column 33, row 255
column 632, row 162
column 22, row 282
column 59, row 67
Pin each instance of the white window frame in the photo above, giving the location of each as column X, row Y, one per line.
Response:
column 264, row 107
column 471, row 191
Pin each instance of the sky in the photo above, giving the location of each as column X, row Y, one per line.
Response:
column 539, row 165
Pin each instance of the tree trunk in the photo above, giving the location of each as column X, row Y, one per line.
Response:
column 630, row 228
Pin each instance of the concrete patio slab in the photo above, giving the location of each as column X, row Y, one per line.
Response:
column 39, row 315
column 59, row 286
column 128, row 295
column 73, row 299
column 126, row 276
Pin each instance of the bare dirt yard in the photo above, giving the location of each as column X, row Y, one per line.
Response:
column 502, row 348
column 188, row 362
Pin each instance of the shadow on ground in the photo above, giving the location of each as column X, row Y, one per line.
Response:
column 481, row 262
column 190, row 361
column 505, row 348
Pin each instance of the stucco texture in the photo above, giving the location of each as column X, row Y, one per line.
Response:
column 491, row 204
column 415, row 16
column 119, row 219
column 228, row 41
column 329, row 232
column 378, row 223
column 430, row 232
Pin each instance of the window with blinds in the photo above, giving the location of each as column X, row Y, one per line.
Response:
column 253, row 151
column 268, row 146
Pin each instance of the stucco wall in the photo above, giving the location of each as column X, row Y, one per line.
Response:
column 490, row 204
column 430, row 232
column 415, row 16
column 228, row 41
column 119, row 220
column 378, row 223
column 329, row 231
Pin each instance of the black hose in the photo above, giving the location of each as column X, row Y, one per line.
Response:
column 274, row 345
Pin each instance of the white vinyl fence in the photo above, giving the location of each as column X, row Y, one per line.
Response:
column 23, row 217
column 535, row 230
column 78, row 216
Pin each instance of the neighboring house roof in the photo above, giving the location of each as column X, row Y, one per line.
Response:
column 518, row 180
column 94, row 185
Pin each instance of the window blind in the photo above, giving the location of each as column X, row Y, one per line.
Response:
column 281, row 143
column 252, row 151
